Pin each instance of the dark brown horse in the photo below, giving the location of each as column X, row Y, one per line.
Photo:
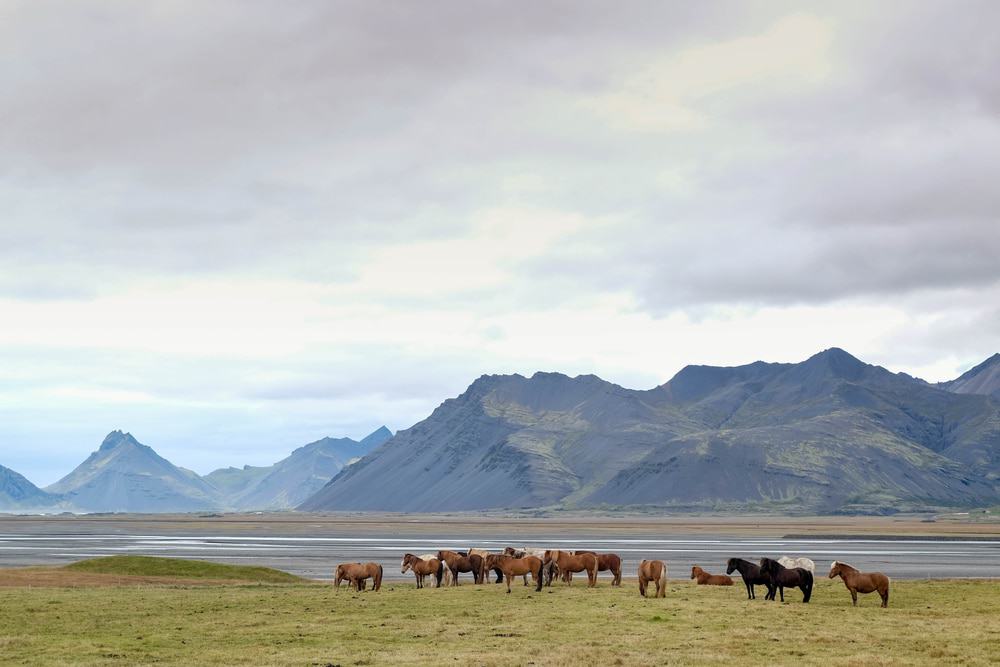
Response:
column 782, row 576
column 654, row 571
column 459, row 563
column 421, row 568
column 606, row 563
column 567, row 563
column 484, row 577
column 356, row 574
column 708, row 579
column 751, row 573
column 861, row 582
column 515, row 567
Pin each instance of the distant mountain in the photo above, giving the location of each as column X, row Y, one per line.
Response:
column 289, row 482
column 829, row 434
column 983, row 379
column 126, row 476
column 17, row 493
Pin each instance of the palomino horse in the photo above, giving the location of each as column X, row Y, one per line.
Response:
column 861, row 582
column 781, row 577
column 606, row 563
column 356, row 574
column 653, row 571
column 792, row 563
column 483, row 553
column 707, row 579
column 513, row 567
column 567, row 563
column 751, row 573
column 421, row 568
column 444, row 577
column 550, row 568
column 459, row 563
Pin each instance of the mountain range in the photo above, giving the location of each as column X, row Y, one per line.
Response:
column 829, row 434
column 124, row 475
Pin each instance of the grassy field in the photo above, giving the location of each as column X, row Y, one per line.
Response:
column 928, row 623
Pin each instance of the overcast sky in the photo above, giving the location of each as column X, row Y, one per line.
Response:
column 233, row 228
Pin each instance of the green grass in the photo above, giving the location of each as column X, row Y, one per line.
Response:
column 928, row 623
column 150, row 566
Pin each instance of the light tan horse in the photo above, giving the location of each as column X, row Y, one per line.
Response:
column 420, row 568
column 356, row 574
column 708, row 579
column 653, row 571
column 514, row 567
column 567, row 563
column 861, row 582
column 445, row 578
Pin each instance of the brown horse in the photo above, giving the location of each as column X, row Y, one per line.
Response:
column 357, row 574
column 707, row 579
column 861, row 582
column 514, row 567
column 421, row 568
column 459, row 563
column 653, row 571
column 484, row 577
column 549, row 568
column 567, row 563
column 605, row 563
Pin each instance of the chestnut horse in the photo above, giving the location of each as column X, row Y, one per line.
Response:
column 606, row 563
column 356, row 574
column 861, row 582
column 421, row 568
column 751, row 573
column 513, row 567
column 549, row 569
column 444, row 576
column 459, row 563
column 567, row 563
column 707, row 579
column 781, row 577
column 653, row 571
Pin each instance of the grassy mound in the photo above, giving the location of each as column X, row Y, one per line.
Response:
column 149, row 566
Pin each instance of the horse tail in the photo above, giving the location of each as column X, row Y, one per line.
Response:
column 663, row 575
column 808, row 588
column 378, row 582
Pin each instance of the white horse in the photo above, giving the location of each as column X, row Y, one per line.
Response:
column 792, row 563
column 445, row 576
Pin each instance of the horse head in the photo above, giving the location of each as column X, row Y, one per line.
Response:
column 770, row 566
column 406, row 564
column 835, row 568
column 730, row 565
column 695, row 571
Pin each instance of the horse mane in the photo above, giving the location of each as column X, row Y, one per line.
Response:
column 843, row 565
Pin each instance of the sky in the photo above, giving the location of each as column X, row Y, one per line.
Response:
column 232, row 228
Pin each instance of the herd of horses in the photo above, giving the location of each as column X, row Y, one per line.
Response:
column 443, row 568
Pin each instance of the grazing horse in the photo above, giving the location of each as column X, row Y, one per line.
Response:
column 653, row 571
column 751, row 573
column 458, row 563
column 568, row 563
column 421, row 568
column 605, row 563
column 707, row 579
column 792, row 563
column 513, row 567
column 357, row 574
column 861, row 582
column 781, row 577
column 483, row 553
column 550, row 568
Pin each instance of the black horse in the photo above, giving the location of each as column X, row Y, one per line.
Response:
column 782, row 576
column 752, row 575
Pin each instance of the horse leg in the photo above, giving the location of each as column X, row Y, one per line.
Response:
column 642, row 586
column 509, row 577
column 854, row 596
column 885, row 597
column 781, row 589
column 499, row 574
column 454, row 576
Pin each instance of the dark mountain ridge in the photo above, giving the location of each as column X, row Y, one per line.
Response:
column 831, row 433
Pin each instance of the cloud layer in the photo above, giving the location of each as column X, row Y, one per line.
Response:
column 232, row 228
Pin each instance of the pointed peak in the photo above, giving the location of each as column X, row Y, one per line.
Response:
column 377, row 437
column 117, row 438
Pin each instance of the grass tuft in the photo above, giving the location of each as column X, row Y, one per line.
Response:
column 150, row 566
